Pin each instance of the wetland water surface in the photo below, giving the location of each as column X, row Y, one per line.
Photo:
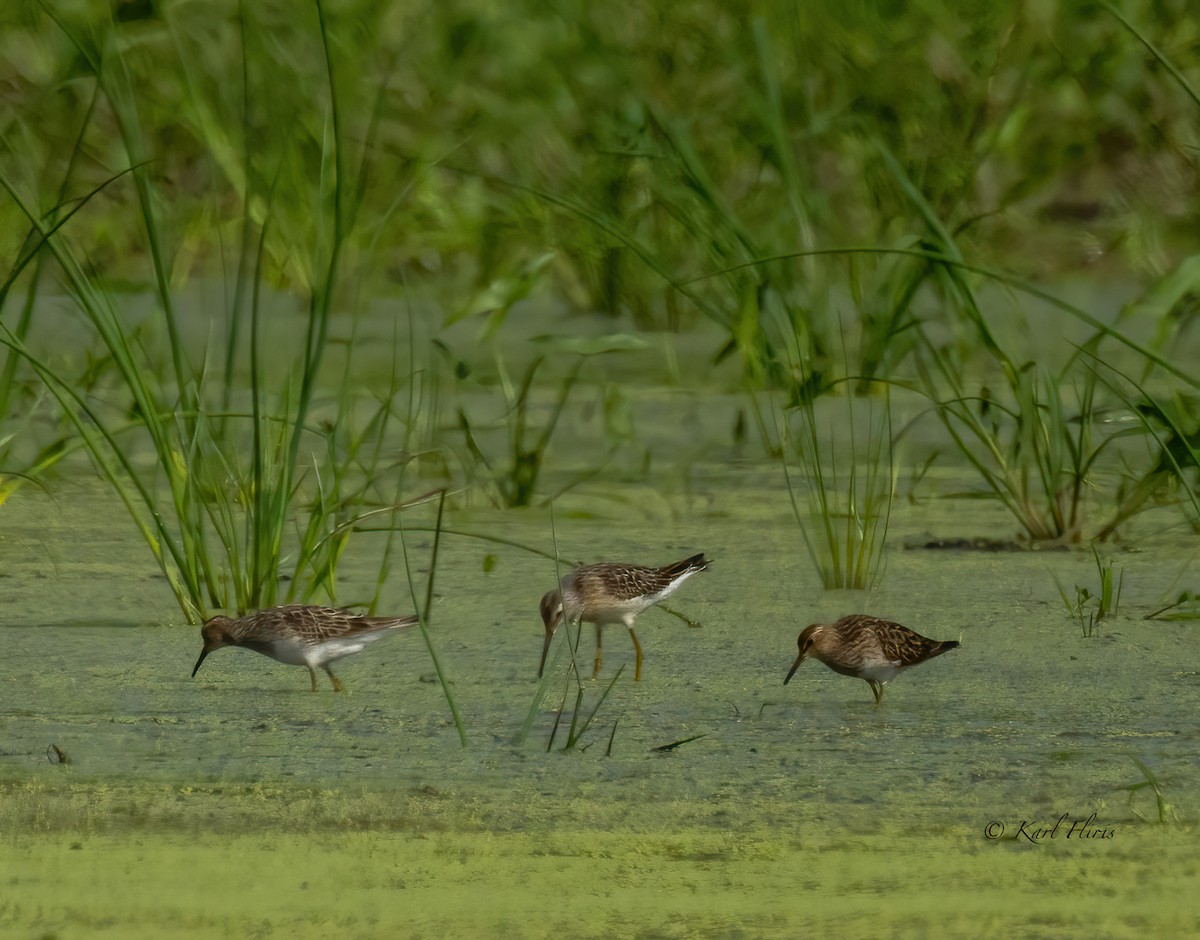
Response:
column 239, row 803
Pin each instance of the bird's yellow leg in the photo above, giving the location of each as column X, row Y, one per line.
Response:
column 877, row 688
column 637, row 669
column 599, row 653
column 337, row 685
column 312, row 674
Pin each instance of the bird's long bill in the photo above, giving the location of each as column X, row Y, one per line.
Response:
column 792, row 671
column 545, row 650
column 196, row 668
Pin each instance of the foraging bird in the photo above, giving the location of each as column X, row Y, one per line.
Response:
column 299, row 635
column 612, row 593
column 867, row 648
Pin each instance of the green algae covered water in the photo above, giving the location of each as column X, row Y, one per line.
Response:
column 988, row 796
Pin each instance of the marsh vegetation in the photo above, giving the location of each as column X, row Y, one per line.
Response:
column 320, row 292
column 206, row 195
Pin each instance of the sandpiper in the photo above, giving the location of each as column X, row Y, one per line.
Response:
column 867, row 648
column 612, row 593
column 299, row 635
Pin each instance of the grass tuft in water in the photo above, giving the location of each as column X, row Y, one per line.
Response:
column 1092, row 605
column 517, row 481
column 1033, row 452
column 846, row 484
column 580, row 723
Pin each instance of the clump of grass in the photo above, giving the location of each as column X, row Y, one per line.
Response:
column 517, row 468
column 846, row 485
column 1031, row 449
column 580, row 722
column 1089, row 606
column 517, row 480
column 236, row 502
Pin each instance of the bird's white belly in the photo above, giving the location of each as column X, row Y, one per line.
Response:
column 288, row 652
column 623, row 611
column 296, row 654
column 330, row 650
column 615, row 614
column 880, row 671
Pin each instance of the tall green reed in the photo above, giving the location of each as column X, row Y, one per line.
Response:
column 18, row 407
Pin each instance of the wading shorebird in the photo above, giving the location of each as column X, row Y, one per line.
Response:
column 612, row 593
column 299, row 635
column 867, row 648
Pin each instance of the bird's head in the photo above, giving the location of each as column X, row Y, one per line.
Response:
column 806, row 640
column 215, row 633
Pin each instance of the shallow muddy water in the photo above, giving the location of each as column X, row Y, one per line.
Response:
column 240, row 804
